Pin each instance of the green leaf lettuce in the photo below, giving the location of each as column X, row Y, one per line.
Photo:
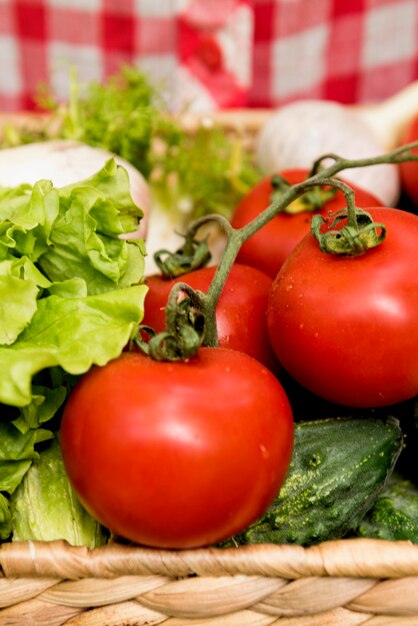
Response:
column 45, row 507
column 71, row 297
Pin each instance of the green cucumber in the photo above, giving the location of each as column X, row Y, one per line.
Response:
column 338, row 469
column 394, row 515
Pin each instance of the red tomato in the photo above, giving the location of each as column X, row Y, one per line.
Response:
column 409, row 169
column 346, row 328
column 177, row 455
column 240, row 315
column 272, row 244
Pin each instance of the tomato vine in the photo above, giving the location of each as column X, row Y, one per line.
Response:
column 360, row 234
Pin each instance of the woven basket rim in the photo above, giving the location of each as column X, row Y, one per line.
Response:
column 354, row 557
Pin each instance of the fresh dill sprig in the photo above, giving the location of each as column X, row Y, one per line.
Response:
column 190, row 173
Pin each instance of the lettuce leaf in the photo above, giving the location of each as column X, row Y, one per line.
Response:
column 21, row 307
column 73, row 231
column 71, row 297
column 45, row 507
column 17, row 451
column 44, row 404
column 71, row 332
column 5, row 518
column 84, row 236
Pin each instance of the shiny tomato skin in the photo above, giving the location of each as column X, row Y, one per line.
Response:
column 346, row 328
column 177, row 455
column 240, row 314
column 272, row 244
column 409, row 169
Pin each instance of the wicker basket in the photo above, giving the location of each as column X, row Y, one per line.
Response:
column 337, row 583
column 340, row 583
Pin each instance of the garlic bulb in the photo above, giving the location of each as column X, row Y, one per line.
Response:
column 65, row 162
column 298, row 133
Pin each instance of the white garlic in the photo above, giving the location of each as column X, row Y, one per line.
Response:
column 295, row 135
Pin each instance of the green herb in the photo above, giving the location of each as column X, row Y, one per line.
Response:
column 122, row 115
column 203, row 173
column 190, row 173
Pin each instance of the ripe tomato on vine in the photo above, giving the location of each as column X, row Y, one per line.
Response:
column 177, row 455
column 345, row 326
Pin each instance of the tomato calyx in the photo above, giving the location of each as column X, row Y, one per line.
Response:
column 348, row 240
column 185, row 325
column 192, row 255
column 355, row 236
column 313, row 199
column 191, row 314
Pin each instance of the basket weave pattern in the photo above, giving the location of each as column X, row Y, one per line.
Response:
column 341, row 583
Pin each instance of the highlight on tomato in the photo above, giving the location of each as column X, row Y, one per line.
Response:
column 177, row 454
column 271, row 245
column 345, row 327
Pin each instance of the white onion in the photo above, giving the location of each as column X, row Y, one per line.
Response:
column 298, row 133
column 64, row 162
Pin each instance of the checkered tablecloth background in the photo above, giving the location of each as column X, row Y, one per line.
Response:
column 213, row 53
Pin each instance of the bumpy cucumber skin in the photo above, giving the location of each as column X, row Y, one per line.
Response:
column 338, row 469
column 394, row 515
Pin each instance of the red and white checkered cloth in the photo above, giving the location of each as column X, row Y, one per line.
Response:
column 213, row 53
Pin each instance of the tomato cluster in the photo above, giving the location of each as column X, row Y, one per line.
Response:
column 187, row 453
